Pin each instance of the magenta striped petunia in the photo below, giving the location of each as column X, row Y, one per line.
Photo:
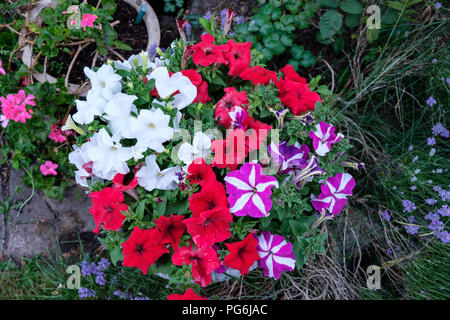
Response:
column 276, row 255
column 249, row 191
column 334, row 193
column 323, row 137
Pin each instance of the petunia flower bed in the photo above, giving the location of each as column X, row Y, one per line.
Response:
column 203, row 165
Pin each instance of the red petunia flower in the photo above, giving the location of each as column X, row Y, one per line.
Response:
column 202, row 86
column 211, row 196
column 106, row 208
column 242, row 254
column 238, row 57
column 188, row 295
column 291, row 74
column 294, row 92
column 143, row 248
column 118, row 181
column 232, row 151
column 231, row 99
column 200, row 172
column 257, row 134
column 206, row 53
column 203, row 261
column 172, row 229
column 210, row 226
column 258, row 75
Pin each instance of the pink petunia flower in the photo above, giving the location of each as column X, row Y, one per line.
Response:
column 249, row 191
column 324, row 137
column 276, row 255
column 334, row 193
column 87, row 20
column 2, row 71
column 48, row 168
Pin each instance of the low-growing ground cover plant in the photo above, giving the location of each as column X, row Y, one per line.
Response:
column 260, row 165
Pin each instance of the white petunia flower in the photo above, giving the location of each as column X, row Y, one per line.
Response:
column 151, row 129
column 118, row 113
column 151, row 177
column 200, row 148
column 105, row 80
column 108, row 155
column 93, row 106
column 79, row 158
column 167, row 85
column 134, row 61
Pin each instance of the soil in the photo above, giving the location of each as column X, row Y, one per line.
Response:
column 128, row 32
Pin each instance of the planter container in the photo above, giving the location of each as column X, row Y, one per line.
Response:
column 151, row 23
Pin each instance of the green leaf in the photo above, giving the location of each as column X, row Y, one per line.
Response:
column 297, row 51
column 140, row 209
column 116, row 255
column 266, row 9
column 286, row 40
column 260, row 19
column 300, row 253
column 323, row 90
column 276, row 14
column 352, row 20
column 205, row 23
column 268, row 54
column 121, row 45
column 102, row 50
column 351, row 6
column 298, row 228
column 329, row 3
column 308, row 60
column 389, row 16
column 266, row 29
column 161, row 207
column 330, row 23
column 372, row 35
column 109, row 6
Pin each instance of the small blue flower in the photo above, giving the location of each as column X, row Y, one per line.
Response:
column 408, row 206
column 412, row 229
column 444, row 236
column 431, row 101
column 86, row 293
column 207, row 15
column 240, row 19
column 432, row 152
column 188, row 29
column 431, row 141
column 385, row 215
column 438, row 5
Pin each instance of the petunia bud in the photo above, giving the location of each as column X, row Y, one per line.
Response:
column 228, row 20
column 70, row 125
column 144, row 57
column 180, row 25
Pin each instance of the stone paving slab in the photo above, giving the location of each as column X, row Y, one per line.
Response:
column 42, row 222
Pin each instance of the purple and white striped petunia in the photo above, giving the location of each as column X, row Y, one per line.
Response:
column 238, row 116
column 324, row 137
column 302, row 175
column 285, row 156
column 334, row 193
column 249, row 191
column 275, row 254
